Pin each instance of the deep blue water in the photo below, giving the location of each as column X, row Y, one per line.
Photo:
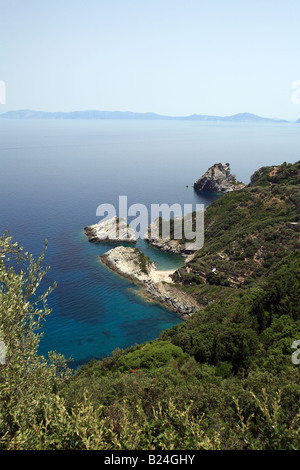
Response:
column 54, row 174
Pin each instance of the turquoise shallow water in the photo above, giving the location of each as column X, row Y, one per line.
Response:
column 54, row 174
column 94, row 309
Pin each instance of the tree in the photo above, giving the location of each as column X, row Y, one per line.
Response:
column 27, row 380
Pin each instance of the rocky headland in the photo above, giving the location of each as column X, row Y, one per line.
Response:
column 219, row 179
column 156, row 285
column 114, row 230
column 172, row 244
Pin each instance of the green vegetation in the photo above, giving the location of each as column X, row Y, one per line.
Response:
column 143, row 260
column 287, row 174
column 223, row 379
column 174, row 229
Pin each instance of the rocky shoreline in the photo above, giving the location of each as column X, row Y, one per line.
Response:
column 156, row 285
column 219, row 179
column 132, row 264
column 168, row 245
column 173, row 247
column 114, row 230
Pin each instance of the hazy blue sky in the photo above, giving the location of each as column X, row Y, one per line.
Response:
column 175, row 57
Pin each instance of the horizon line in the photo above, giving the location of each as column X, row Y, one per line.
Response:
column 149, row 114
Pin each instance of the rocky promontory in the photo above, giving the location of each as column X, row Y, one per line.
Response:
column 219, row 179
column 172, row 244
column 129, row 262
column 114, row 230
column 156, row 285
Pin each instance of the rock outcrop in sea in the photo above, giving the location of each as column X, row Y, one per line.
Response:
column 156, row 285
column 172, row 244
column 114, row 230
column 219, row 179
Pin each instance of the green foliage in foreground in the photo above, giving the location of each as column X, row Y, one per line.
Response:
column 223, row 379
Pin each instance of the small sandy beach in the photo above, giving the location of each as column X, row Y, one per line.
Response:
column 158, row 276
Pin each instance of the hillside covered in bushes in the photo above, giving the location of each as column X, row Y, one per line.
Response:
column 223, row 379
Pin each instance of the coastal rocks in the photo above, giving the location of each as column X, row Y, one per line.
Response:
column 165, row 244
column 218, row 179
column 169, row 245
column 156, row 285
column 172, row 298
column 114, row 230
column 130, row 263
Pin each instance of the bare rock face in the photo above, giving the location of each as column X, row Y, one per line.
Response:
column 170, row 245
column 156, row 285
column 172, row 298
column 114, row 230
column 218, row 179
column 154, row 238
column 127, row 262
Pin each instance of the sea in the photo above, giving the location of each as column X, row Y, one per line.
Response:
column 55, row 173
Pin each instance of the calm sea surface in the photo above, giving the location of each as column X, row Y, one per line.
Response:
column 54, row 174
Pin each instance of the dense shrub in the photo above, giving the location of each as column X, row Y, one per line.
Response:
column 223, row 379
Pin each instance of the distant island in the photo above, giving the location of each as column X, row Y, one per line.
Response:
column 128, row 115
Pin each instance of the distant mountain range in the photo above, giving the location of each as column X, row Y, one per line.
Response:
column 29, row 114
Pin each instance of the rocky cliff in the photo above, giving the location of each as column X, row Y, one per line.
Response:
column 156, row 285
column 114, row 230
column 174, row 244
column 218, row 178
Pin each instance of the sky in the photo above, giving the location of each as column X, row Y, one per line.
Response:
column 171, row 57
